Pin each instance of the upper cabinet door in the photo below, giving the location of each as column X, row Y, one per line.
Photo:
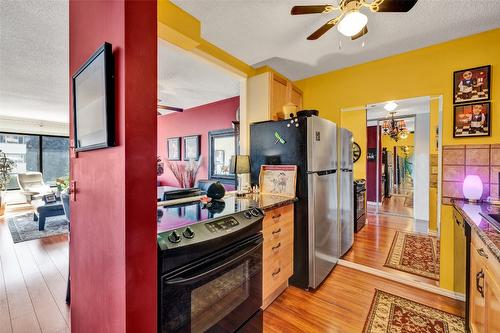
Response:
column 278, row 94
column 296, row 97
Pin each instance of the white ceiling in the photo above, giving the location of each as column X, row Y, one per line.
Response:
column 34, row 60
column 262, row 32
column 186, row 80
column 410, row 106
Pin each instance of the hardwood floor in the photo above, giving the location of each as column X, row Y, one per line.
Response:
column 32, row 281
column 341, row 304
column 396, row 204
column 372, row 243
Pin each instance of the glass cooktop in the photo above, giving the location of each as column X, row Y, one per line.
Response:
column 178, row 216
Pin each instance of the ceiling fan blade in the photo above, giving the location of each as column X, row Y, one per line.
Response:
column 396, row 6
column 322, row 30
column 363, row 32
column 299, row 10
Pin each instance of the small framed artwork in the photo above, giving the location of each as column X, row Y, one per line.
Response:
column 278, row 179
column 471, row 85
column 93, row 102
column 174, row 149
column 49, row 198
column 371, row 154
column 192, row 147
column 472, row 120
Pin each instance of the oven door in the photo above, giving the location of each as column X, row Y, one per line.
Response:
column 216, row 294
column 360, row 204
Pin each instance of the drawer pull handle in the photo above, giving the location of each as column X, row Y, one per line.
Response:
column 276, row 272
column 276, row 231
column 276, row 246
column 277, row 216
column 480, row 287
column 482, row 253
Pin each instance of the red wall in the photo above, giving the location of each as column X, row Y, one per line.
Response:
column 194, row 121
column 113, row 220
column 371, row 166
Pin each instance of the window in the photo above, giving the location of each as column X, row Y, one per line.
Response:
column 47, row 154
column 55, row 158
column 222, row 147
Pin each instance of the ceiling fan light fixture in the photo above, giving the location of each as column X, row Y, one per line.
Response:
column 352, row 23
column 391, row 106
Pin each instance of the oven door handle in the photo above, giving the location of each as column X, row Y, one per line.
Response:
column 195, row 278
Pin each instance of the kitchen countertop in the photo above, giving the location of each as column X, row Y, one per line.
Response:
column 488, row 234
column 178, row 216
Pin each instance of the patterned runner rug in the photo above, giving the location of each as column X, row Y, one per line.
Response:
column 393, row 314
column 415, row 253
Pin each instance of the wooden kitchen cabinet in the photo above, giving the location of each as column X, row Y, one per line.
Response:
column 267, row 94
column 484, row 312
column 277, row 266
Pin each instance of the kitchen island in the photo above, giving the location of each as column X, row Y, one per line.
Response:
column 482, row 262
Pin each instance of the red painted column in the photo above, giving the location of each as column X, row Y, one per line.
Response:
column 113, row 220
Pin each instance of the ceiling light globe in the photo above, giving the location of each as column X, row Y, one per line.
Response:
column 352, row 23
column 391, row 106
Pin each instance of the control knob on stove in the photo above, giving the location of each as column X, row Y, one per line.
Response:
column 174, row 237
column 188, row 233
column 247, row 214
column 255, row 212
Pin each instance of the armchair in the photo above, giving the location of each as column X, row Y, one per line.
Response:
column 31, row 183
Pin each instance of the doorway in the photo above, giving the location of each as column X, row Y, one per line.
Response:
column 402, row 150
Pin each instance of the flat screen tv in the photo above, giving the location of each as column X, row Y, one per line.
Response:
column 93, row 102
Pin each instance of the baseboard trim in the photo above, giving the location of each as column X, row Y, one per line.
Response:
column 432, row 233
column 407, row 281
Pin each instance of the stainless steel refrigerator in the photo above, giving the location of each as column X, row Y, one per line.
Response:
column 346, row 195
column 311, row 144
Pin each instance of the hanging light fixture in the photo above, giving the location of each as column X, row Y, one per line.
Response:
column 396, row 129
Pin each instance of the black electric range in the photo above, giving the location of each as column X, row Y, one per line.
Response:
column 210, row 267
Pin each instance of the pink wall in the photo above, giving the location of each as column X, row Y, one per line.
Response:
column 198, row 120
column 113, row 220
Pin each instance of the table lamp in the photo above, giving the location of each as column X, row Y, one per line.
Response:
column 472, row 188
column 240, row 164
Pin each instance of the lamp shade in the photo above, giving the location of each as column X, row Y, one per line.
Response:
column 472, row 187
column 240, row 164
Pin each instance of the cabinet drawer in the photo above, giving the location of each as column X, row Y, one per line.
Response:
column 487, row 257
column 277, row 216
column 278, row 231
column 279, row 247
column 275, row 272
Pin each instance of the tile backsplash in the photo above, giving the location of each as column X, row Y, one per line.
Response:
column 460, row 161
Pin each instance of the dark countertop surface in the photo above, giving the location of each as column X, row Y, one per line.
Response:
column 182, row 215
column 485, row 230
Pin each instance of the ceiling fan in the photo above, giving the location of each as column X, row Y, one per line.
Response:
column 351, row 22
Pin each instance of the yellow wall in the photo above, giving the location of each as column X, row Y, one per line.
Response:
column 423, row 72
column 355, row 121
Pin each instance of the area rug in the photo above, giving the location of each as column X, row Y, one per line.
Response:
column 415, row 253
column 23, row 228
column 394, row 314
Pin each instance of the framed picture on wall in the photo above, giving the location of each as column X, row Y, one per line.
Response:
column 472, row 120
column 192, row 147
column 174, row 149
column 471, row 85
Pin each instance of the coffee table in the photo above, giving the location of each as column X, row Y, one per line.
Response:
column 43, row 210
